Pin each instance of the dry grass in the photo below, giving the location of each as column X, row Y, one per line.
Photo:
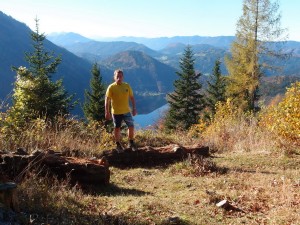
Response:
column 247, row 168
column 263, row 188
column 65, row 135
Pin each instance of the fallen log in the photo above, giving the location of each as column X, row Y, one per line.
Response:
column 77, row 171
column 86, row 172
column 150, row 156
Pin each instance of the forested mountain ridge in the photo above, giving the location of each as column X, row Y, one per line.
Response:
column 75, row 71
column 95, row 50
column 151, row 72
column 15, row 40
column 64, row 39
column 67, row 38
column 143, row 71
column 207, row 50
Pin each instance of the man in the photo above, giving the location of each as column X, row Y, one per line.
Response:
column 117, row 99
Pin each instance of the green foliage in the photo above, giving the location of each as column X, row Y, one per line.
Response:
column 216, row 88
column 94, row 99
column 35, row 95
column 258, row 26
column 186, row 102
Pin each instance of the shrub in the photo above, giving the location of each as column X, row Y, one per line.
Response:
column 233, row 130
column 284, row 119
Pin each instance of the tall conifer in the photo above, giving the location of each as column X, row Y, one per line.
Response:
column 35, row 94
column 186, row 102
column 94, row 99
column 216, row 87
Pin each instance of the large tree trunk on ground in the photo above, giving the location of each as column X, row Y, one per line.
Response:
column 78, row 171
column 150, row 156
column 86, row 172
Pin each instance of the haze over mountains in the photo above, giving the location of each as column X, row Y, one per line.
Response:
column 150, row 64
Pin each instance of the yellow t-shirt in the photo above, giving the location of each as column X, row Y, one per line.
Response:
column 119, row 95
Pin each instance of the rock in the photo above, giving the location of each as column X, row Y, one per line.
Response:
column 223, row 204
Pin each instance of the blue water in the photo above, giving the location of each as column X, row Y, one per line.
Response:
column 145, row 121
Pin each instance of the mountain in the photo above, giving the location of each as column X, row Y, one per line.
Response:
column 75, row 71
column 206, row 49
column 150, row 78
column 151, row 73
column 65, row 39
column 144, row 72
column 205, row 56
column 96, row 50
column 161, row 42
column 15, row 40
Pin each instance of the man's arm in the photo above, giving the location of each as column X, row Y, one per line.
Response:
column 134, row 112
column 107, row 108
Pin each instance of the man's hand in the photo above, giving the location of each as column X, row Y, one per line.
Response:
column 108, row 116
column 134, row 112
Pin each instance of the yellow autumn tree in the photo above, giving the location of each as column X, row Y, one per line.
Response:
column 284, row 118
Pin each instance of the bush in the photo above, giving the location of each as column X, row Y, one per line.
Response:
column 233, row 130
column 284, row 118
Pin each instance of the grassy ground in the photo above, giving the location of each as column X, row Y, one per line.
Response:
column 262, row 188
column 256, row 171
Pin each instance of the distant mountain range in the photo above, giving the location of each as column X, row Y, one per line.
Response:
column 169, row 50
column 149, row 64
column 75, row 70
column 65, row 39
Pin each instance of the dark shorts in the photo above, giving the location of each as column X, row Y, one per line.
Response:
column 118, row 118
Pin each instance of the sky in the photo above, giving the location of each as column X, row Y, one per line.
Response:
column 141, row 18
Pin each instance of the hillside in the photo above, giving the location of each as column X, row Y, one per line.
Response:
column 95, row 50
column 69, row 38
column 151, row 79
column 206, row 49
column 15, row 40
column 151, row 73
column 75, row 71
column 161, row 42
column 144, row 72
column 205, row 56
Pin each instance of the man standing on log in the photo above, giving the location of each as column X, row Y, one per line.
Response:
column 117, row 108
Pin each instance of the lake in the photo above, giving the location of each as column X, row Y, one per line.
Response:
column 147, row 120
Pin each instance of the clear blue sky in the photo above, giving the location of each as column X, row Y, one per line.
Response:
column 141, row 18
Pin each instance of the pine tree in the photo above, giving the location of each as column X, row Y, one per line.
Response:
column 216, row 88
column 256, row 29
column 35, row 95
column 94, row 100
column 186, row 102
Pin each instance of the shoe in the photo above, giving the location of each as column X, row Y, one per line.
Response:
column 119, row 148
column 132, row 146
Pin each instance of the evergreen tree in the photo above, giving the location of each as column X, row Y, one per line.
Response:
column 35, row 95
column 186, row 102
column 94, row 101
column 216, row 87
column 256, row 29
